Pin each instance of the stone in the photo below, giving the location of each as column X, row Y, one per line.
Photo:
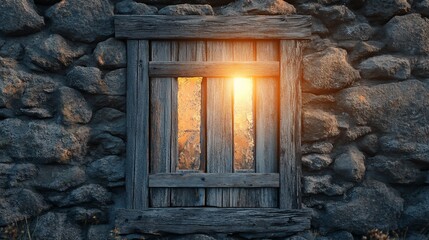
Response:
column 82, row 20
column 327, row 71
column 85, row 216
column 109, row 120
column 416, row 236
column 11, row 175
column 99, row 232
column 312, row 99
column 12, row 49
column 365, row 49
column 323, row 185
column 318, row 125
column 369, row 144
column 354, row 31
column 333, row 15
column 422, row 7
column 420, row 68
column 39, row 91
column 195, row 237
column 385, row 9
column 91, row 193
column 385, row 67
column 54, row 226
column 11, row 87
column 46, row 2
column 41, row 113
column 350, row 164
column 413, row 147
column 408, row 34
column 393, row 107
column 110, row 168
column 53, row 53
column 108, row 144
column 73, row 107
column 129, row 7
column 186, row 9
column 257, row 7
column 357, row 132
column 394, row 170
column 416, row 210
column 371, row 205
column 20, row 204
column 102, row 101
column 317, row 27
column 59, row 178
column 88, row 79
column 20, row 17
column 317, row 147
column 316, row 162
column 111, row 54
column 43, row 142
column 167, row 2
column 340, row 235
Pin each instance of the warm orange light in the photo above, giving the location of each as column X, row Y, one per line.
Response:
column 243, row 88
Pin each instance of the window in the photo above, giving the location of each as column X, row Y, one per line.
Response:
column 213, row 119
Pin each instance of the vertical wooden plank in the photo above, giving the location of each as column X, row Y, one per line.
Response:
column 137, row 125
column 189, row 197
column 266, row 107
column 219, row 123
column 242, row 197
column 290, row 124
column 163, row 119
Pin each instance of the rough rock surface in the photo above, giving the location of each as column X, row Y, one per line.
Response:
column 12, row 175
column 59, row 178
column 318, row 147
column 109, row 120
column 350, row 164
column 41, row 142
column 82, row 20
column 315, row 162
column 257, row 7
column 318, row 125
column 422, row 7
column 408, row 34
column 110, row 168
column 99, row 232
column 324, row 185
column 327, row 71
column 385, row 9
column 11, row 86
column 332, row 15
column 354, row 31
column 371, row 205
column 186, row 9
column 385, row 67
column 111, row 54
column 92, row 193
column 19, row 17
column 416, row 209
column 365, row 49
column 420, row 67
column 73, row 106
column 54, row 226
column 394, row 170
column 130, row 7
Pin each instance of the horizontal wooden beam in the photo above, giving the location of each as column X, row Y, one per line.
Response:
column 206, row 180
column 212, row 220
column 214, row 69
column 213, row 27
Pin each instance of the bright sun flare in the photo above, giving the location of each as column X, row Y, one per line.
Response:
column 242, row 87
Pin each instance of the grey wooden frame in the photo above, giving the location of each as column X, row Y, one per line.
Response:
column 289, row 31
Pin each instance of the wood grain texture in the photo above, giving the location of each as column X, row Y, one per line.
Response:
column 266, row 124
column 212, row 220
column 188, row 197
column 213, row 27
column 163, row 120
column 205, row 180
column 290, row 124
column 214, row 69
column 137, row 160
column 219, row 123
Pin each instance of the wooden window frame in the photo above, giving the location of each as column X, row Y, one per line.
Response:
column 290, row 32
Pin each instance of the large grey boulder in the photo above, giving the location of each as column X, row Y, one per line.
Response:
column 59, row 178
column 12, row 175
column 323, row 184
column 111, row 54
column 335, row 14
column 55, row 226
column 107, row 144
column 91, row 193
column 19, row 17
column 109, row 120
column 364, row 49
column 371, row 205
column 385, row 9
column 186, row 9
column 257, row 7
column 318, row 125
column 408, row 34
column 53, row 53
column 385, row 67
column 350, row 164
column 316, row 162
column 130, row 7
column 317, row 147
column 327, row 71
column 73, row 107
column 110, row 168
column 42, row 142
column 354, row 31
column 416, row 212
column 82, row 20
column 394, row 170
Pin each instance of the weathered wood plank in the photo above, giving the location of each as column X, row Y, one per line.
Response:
column 188, row 197
column 219, row 123
column 266, row 102
column 137, row 125
column 205, row 180
column 163, row 120
column 212, row 220
column 214, row 69
column 213, row 27
column 290, row 124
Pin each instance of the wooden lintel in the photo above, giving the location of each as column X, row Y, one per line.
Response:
column 214, row 69
column 204, row 180
column 212, row 220
column 212, row 27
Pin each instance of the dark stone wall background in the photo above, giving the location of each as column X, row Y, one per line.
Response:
column 365, row 114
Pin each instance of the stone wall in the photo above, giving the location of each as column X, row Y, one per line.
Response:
column 365, row 114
